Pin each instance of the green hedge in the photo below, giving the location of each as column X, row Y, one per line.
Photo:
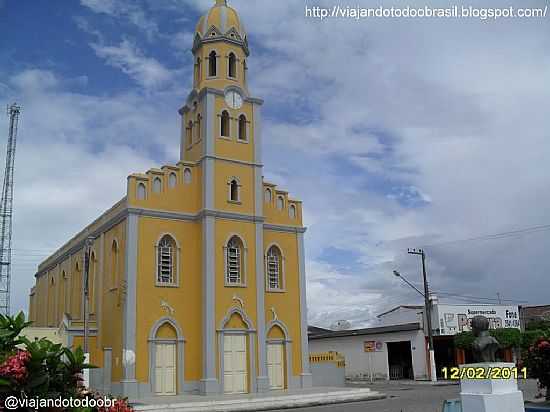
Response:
column 507, row 337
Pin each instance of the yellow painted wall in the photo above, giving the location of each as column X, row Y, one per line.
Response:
column 185, row 299
column 50, row 302
column 287, row 304
column 224, row 295
column 274, row 215
column 224, row 171
column 231, row 147
column 181, row 198
column 221, row 80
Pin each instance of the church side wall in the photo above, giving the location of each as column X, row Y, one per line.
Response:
column 181, row 303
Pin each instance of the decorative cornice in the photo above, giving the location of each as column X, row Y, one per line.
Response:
column 200, row 94
column 283, row 228
column 163, row 214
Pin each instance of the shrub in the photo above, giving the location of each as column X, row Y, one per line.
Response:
column 537, row 361
column 41, row 368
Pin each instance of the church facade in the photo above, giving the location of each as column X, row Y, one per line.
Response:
column 196, row 277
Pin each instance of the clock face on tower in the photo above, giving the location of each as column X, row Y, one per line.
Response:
column 234, row 99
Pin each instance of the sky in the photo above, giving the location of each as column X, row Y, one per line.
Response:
column 396, row 133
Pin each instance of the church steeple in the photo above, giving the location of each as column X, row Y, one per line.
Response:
column 220, row 48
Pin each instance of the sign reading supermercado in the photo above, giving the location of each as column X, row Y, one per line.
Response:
column 453, row 319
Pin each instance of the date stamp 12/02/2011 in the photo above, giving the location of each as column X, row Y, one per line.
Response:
column 488, row 372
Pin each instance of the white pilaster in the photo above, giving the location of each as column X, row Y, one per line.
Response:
column 306, row 374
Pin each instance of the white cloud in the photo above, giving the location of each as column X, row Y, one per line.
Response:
column 73, row 156
column 361, row 117
column 129, row 10
column 146, row 71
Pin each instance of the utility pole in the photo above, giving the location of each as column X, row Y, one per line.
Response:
column 6, row 211
column 428, row 311
column 499, row 300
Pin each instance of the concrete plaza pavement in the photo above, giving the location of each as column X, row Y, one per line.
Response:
column 410, row 397
column 258, row 401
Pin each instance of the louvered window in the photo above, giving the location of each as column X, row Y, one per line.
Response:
column 165, row 270
column 274, row 268
column 233, row 274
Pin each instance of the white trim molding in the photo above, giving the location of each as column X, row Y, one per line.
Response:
column 175, row 265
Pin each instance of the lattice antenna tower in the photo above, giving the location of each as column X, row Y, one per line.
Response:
column 6, row 211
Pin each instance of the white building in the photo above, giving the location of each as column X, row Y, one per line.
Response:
column 396, row 352
column 398, row 347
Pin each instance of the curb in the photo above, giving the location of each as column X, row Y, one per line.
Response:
column 268, row 403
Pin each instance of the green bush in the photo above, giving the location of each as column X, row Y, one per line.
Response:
column 39, row 368
column 507, row 337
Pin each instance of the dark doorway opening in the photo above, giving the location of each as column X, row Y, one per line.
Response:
column 444, row 352
column 400, row 360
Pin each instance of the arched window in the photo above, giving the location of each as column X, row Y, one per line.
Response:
column 141, row 191
column 292, row 211
column 267, row 195
column 280, row 202
column 232, row 65
column 224, row 126
column 157, row 185
column 114, row 265
column 66, row 294
column 242, row 127
column 166, row 261
column 245, row 68
column 187, row 176
column 91, row 282
column 199, row 118
column 198, row 74
column 212, row 69
column 234, row 261
column 189, row 131
column 274, row 268
column 172, row 180
column 234, row 190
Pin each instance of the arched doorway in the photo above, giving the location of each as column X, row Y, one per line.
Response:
column 238, row 369
column 275, row 358
column 279, row 355
column 166, row 371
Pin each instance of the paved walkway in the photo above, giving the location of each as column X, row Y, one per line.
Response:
column 258, row 401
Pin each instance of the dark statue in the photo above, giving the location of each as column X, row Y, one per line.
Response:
column 485, row 346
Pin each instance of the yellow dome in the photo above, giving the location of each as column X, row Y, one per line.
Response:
column 223, row 18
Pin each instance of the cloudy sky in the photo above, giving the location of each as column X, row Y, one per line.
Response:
column 415, row 132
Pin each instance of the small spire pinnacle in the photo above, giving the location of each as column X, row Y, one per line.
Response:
column 221, row 2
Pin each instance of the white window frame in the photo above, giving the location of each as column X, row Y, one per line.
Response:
column 175, row 263
column 157, row 180
column 292, row 211
column 208, row 76
column 138, row 186
column 280, row 197
column 246, row 126
column 220, row 116
column 236, row 179
column 281, row 264
column 172, row 180
column 231, row 52
column 187, row 172
column 242, row 263
column 268, row 190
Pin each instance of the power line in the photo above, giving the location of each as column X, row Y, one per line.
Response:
column 495, row 236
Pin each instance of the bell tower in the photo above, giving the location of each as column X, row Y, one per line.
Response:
column 220, row 52
column 221, row 134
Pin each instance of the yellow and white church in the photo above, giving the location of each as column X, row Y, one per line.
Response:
column 196, row 276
